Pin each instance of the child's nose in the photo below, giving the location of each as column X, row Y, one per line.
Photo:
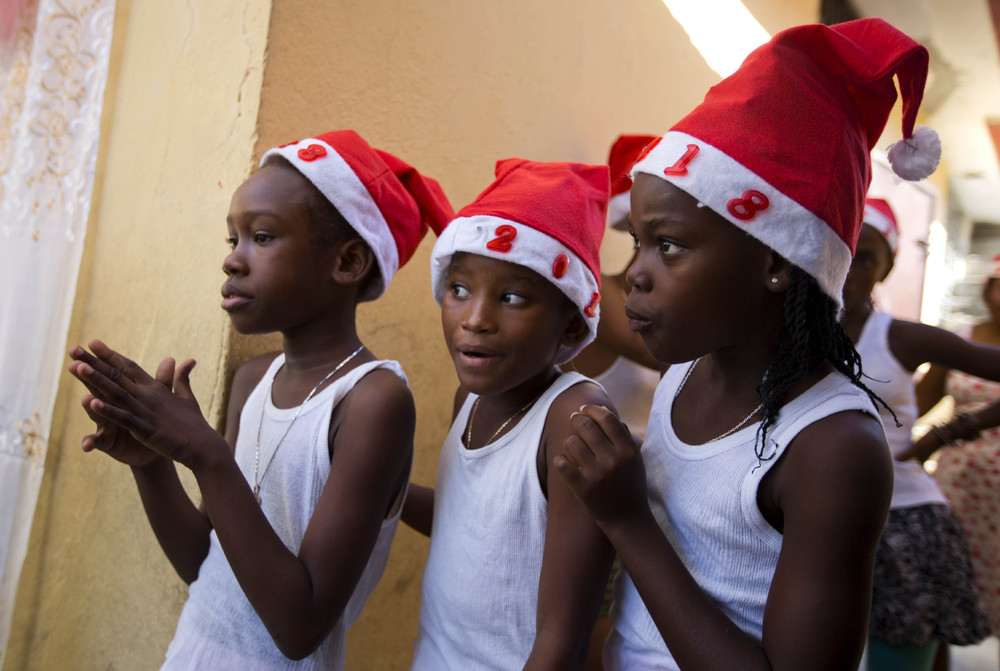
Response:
column 479, row 316
column 234, row 263
column 636, row 275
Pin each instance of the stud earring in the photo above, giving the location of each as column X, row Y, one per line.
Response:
column 774, row 280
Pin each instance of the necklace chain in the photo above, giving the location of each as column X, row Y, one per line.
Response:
column 731, row 431
column 472, row 416
column 256, row 456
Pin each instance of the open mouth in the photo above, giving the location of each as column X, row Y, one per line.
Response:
column 473, row 356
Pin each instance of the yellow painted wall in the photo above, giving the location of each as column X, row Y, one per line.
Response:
column 449, row 85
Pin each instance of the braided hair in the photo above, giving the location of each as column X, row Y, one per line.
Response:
column 809, row 335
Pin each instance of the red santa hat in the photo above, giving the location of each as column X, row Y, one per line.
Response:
column 880, row 216
column 548, row 217
column 624, row 153
column 781, row 147
column 384, row 199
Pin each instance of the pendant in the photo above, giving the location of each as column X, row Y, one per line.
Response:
column 256, row 493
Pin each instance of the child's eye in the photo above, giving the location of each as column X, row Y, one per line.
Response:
column 261, row 238
column 231, row 241
column 458, row 291
column 513, row 299
column 635, row 240
column 667, row 247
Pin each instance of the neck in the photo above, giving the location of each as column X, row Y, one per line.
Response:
column 517, row 396
column 854, row 318
column 319, row 348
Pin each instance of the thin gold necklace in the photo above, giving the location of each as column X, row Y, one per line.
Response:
column 256, row 456
column 731, row 431
column 472, row 416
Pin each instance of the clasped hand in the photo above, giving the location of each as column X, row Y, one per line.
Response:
column 139, row 418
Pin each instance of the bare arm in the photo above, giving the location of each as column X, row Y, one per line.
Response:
column 921, row 343
column 298, row 598
column 930, row 389
column 577, row 557
column 418, row 509
column 833, row 488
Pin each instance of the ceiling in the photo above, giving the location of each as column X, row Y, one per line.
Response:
column 962, row 98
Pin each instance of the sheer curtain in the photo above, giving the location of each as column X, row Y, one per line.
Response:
column 53, row 70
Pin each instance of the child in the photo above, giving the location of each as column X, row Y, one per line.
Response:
column 924, row 590
column 516, row 566
column 748, row 526
column 301, row 499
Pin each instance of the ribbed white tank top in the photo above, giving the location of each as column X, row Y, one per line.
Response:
column 218, row 628
column 480, row 589
column 704, row 497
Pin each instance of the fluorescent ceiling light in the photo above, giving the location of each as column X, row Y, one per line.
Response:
column 723, row 31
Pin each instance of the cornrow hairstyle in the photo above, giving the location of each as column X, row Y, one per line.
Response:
column 809, row 335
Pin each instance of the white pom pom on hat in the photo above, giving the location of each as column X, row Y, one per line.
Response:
column 916, row 157
column 781, row 148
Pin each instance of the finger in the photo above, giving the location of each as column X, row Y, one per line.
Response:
column 569, row 470
column 85, row 402
column 165, row 371
column 123, row 370
column 613, row 428
column 182, row 380
column 120, row 417
column 89, row 443
column 591, row 433
column 104, row 388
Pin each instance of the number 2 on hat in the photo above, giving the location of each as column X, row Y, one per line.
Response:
column 504, row 240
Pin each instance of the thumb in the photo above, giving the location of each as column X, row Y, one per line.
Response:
column 182, row 380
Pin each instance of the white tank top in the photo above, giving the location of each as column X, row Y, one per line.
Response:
column 704, row 497
column 218, row 628
column 480, row 590
column 884, row 375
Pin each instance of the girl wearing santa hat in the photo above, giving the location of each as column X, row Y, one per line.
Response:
column 924, row 590
column 748, row 522
column 302, row 496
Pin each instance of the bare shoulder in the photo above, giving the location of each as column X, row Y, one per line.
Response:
column 585, row 392
column 379, row 394
column 842, row 456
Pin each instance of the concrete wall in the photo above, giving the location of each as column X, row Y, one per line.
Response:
column 449, row 85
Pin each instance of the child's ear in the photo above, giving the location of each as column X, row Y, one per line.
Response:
column 576, row 330
column 353, row 262
column 777, row 272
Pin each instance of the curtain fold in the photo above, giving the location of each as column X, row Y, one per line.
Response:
column 53, row 71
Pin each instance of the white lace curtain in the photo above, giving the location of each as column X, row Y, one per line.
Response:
column 53, row 70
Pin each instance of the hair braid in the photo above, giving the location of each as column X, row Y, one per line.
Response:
column 809, row 335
